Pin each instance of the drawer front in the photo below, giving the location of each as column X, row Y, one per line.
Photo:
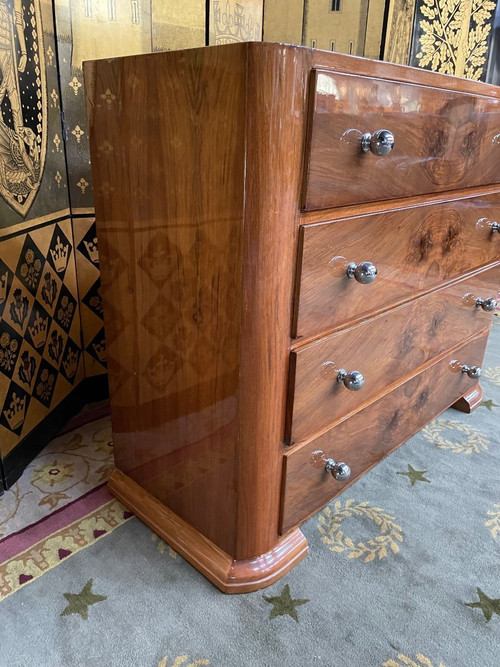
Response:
column 414, row 250
column 443, row 140
column 385, row 349
column 371, row 434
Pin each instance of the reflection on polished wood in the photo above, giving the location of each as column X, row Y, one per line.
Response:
column 365, row 438
column 198, row 170
column 469, row 401
column 193, row 222
column 414, row 249
column 231, row 576
column 443, row 140
column 385, row 349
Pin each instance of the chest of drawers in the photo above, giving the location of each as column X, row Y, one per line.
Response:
column 246, row 197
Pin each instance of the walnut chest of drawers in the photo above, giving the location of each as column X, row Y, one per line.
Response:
column 247, row 196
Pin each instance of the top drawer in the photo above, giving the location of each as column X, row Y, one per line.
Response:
column 443, row 140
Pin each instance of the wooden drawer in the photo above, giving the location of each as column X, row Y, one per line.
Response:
column 414, row 250
column 371, row 434
column 444, row 140
column 385, row 349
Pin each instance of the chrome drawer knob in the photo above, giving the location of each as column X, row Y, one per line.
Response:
column 341, row 471
column 380, row 142
column 473, row 372
column 492, row 225
column 364, row 272
column 488, row 304
column 353, row 380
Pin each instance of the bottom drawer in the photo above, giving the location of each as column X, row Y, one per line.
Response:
column 369, row 435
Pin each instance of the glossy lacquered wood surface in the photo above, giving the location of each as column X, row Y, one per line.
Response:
column 338, row 62
column 443, row 140
column 365, row 438
column 415, row 249
column 385, row 349
column 165, row 242
column 229, row 575
column 469, row 401
column 198, row 238
column 277, row 88
column 198, row 169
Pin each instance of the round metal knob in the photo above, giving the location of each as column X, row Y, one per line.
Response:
column 380, row 142
column 341, row 471
column 353, row 380
column 473, row 372
column 488, row 304
column 492, row 225
column 364, row 272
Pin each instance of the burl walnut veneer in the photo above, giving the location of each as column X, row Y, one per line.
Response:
column 246, row 196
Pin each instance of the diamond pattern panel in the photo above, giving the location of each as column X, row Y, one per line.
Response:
column 65, row 309
column 27, row 366
column 93, row 298
column 10, row 345
column 49, row 287
column 29, row 266
column 45, row 383
column 59, row 252
column 40, row 362
column 88, row 246
column 87, row 260
column 5, row 282
column 14, row 408
column 97, row 347
column 38, row 327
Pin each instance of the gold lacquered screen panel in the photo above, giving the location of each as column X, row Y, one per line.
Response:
column 344, row 26
column 89, row 285
column 231, row 21
column 32, row 165
column 92, row 30
column 452, row 36
column 399, row 31
column 283, row 21
column 40, row 351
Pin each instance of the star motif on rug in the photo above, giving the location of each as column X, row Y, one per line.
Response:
column 284, row 604
column 79, row 603
column 488, row 606
column 489, row 404
column 414, row 475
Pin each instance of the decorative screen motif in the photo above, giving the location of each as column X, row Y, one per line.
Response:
column 23, row 104
column 232, row 21
column 452, row 36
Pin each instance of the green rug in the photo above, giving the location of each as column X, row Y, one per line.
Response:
column 404, row 570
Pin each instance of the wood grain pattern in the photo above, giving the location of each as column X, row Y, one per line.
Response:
column 469, row 401
column 385, row 349
column 198, row 161
column 338, row 62
column 277, row 90
column 368, row 436
column 443, row 140
column 229, row 575
column 330, row 214
column 197, row 366
column 414, row 249
column 170, row 245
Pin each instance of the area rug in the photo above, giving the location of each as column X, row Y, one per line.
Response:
column 67, row 469
column 403, row 570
